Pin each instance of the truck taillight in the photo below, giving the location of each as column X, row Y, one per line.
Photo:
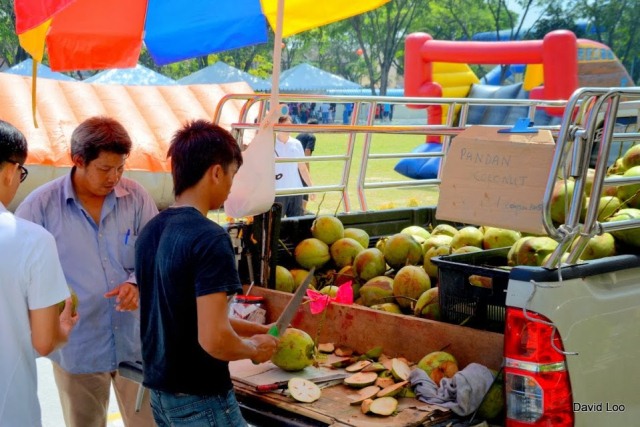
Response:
column 537, row 388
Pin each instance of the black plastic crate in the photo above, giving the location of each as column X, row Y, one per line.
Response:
column 473, row 288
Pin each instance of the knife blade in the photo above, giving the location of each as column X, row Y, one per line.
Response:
column 290, row 310
column 281, row 385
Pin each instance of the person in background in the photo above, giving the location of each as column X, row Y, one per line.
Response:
column 386, row 111
column 308, row 141
column 346, row 113
column 31, row 287
column 186, row 271
column 95, row 215
column 290, row 174
column 294, row 110
column 325, row 112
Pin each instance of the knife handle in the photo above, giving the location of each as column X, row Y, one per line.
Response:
column 273, row 331
column 264, row 388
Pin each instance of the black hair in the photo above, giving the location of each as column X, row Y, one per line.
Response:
column 196, row 147
column 98, row 134
column 13, row 144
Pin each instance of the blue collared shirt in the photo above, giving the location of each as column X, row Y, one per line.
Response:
column 96, row 258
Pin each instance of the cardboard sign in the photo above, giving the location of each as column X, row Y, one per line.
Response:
column 496, row 179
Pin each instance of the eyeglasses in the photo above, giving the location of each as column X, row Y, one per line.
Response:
column 23, row 171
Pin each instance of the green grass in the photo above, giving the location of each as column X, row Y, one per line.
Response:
column 378, row 170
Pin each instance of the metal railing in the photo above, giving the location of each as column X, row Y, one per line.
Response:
column 594, row 124
column 363, row 122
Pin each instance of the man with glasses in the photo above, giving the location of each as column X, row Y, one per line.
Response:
column 95, row 215
column 31, row 286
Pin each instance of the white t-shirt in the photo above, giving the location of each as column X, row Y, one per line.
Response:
column 290, row 174
column 30, row 278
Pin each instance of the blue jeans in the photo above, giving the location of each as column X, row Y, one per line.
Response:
column 185, row 410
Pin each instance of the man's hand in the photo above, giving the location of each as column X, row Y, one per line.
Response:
column 126, row 296
column 265, row 346
column 68, row 319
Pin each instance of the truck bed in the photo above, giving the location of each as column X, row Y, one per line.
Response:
column 361, row 329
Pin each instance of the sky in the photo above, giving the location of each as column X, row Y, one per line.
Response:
column 532, row 16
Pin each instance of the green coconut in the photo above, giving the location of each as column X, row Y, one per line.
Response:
column 369, row 264
column 295, row 350
column 409, row 283
column 312, row 252
column 344, row 251
column 377, row 290
column 284, row 280
column 402, row 249
column 327, row 228
column 358, row 235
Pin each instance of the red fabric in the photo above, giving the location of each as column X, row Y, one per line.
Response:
column 31, row 13
column 116, row 28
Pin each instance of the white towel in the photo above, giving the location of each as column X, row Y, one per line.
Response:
column 463, row 393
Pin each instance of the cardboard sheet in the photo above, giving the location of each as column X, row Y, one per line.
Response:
column 496, row 179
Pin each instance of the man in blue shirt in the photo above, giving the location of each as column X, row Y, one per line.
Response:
column 95, row 216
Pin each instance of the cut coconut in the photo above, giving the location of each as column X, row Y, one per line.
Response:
column 400, row 369
column 373, row 353
column 343, row 351
column 361, row 379
column 344, row 362
column 385, row 360
column 366, row 393
column 326, row 347
column 366, row 406
column 374, row 367
column 384, row 382
column 358, row 366
column 392, row 390
column 304, row 390
column 384, row 406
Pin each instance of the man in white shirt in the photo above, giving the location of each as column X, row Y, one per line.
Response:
column 31, row 286
column 290, row 175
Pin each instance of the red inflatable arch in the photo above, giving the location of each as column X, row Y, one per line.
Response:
column 557, row 52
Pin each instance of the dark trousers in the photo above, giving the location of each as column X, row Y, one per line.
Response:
column 291, row 205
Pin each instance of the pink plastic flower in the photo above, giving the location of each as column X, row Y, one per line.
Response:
column 319, row 302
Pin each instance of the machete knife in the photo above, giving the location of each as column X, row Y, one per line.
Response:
column 290, row 310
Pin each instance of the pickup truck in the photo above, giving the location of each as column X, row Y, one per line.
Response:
column 571, row 342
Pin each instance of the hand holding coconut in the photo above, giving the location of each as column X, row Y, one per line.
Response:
column 265, row 346
column 68, row 318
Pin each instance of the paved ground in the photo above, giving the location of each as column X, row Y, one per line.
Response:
column 50, row 402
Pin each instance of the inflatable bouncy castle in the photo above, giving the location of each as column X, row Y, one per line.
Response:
column 554, row 68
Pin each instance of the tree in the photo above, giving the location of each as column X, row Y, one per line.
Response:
column 380, row 34
column 10, row 51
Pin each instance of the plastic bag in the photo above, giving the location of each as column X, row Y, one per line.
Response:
column 254, row 188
